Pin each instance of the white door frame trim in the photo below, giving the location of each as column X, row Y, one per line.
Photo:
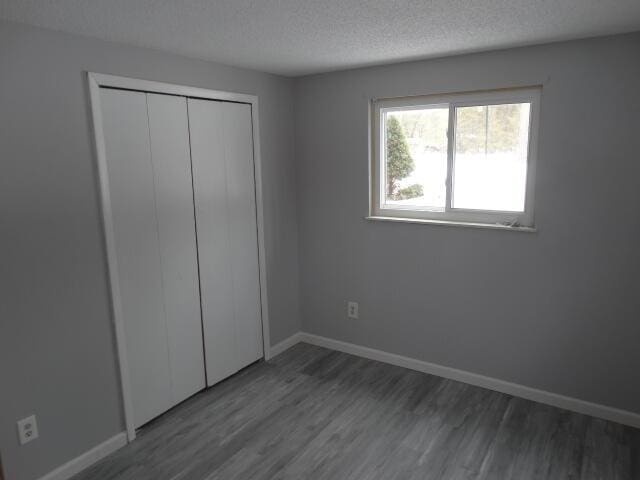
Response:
column 97, row 80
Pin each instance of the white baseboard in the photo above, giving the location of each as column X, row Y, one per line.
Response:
column 624, row 417
column 285, row 344
column 568, row 403
column 88, row 458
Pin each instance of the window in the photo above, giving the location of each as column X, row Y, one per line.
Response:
column 457, row 158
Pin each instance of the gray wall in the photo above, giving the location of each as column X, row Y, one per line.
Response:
column 557, row 310
column 56, row 342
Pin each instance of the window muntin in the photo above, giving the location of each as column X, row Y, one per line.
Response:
column 461, row 157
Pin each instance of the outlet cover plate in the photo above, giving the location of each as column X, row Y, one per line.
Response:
column 27, row 429
column 352, row 310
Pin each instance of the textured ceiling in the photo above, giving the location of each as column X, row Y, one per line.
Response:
column 296, row 37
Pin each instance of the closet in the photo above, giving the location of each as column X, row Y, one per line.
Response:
column 182, row 219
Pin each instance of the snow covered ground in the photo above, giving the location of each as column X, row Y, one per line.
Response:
column 491, row 182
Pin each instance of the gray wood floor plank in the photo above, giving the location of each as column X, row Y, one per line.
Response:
column 312, row 413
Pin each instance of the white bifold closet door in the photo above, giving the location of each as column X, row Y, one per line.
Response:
column 151, row 200
column 224, row 192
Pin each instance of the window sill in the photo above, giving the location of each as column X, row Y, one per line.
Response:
column 451, row 223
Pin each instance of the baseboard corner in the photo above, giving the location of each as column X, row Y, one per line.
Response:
column 284, row 345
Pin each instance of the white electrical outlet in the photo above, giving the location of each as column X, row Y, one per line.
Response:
column 352, row 309
column 27, row 429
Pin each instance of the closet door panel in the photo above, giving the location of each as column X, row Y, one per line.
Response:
column 241, row 204
column 131, row 186
column 171, row 160
column 210, row 190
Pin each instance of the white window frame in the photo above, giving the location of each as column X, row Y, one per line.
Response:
column 457, row 216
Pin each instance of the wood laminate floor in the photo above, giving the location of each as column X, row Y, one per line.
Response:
column 312, row 413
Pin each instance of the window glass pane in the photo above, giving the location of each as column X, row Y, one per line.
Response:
column 490, row 161
column 416, row 158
